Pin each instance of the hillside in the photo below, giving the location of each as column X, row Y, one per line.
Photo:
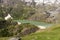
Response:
column 50, row 34
column 29, row 20
column 53, row 33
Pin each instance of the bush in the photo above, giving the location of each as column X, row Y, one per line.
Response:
column 20, row 30
column 28, row 29
column 4, row 33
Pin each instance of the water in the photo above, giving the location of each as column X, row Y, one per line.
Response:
column 34, row 23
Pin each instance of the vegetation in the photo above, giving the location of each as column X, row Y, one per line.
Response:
column 53, row 33
column 22, row 10
column 50, row 34
column 4, row 38
column 22, row 30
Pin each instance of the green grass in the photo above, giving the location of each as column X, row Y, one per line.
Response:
column 43, row 36
column 52, row 33
column 4, row 38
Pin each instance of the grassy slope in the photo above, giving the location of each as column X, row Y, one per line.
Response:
column 52, row 33
column 4, row 38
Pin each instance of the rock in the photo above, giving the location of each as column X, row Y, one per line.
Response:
column 15, row 38
column 28, row 31
column 41, row 27
column 8, row 17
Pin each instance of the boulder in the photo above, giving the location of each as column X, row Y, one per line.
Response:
column 15, row 38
